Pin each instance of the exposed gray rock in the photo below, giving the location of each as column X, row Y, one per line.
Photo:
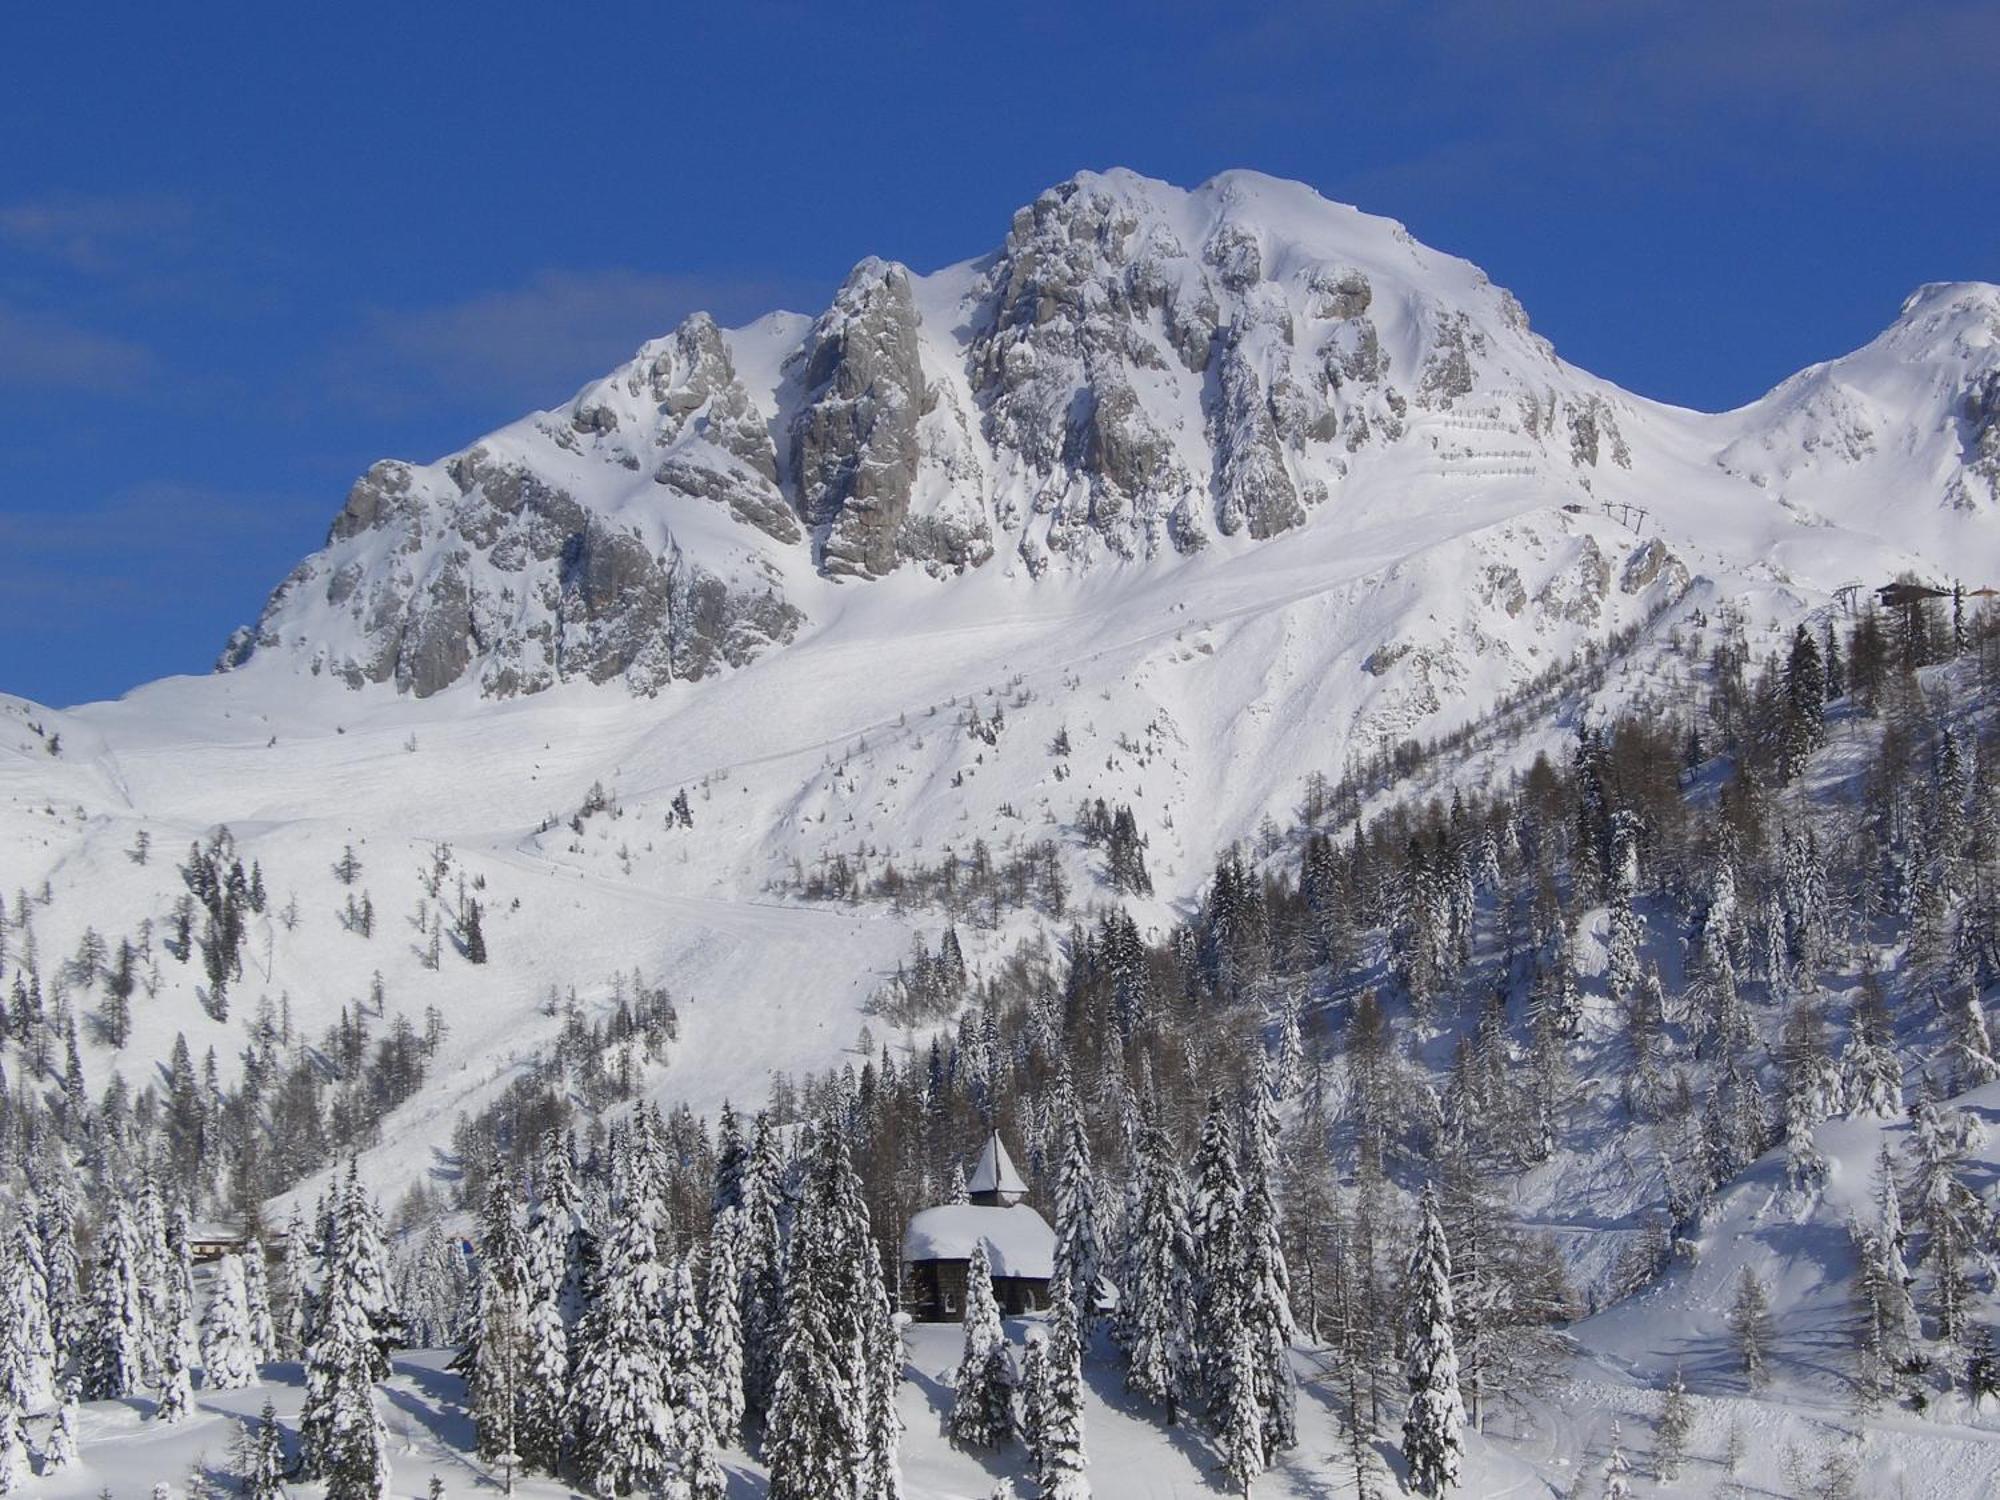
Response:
column 1448, row 371
column 1253, row 488
column 379, row 498
column 1592, row 424
column 1337, row 292
column 1651, row 561
column 854, row 442
column 1982, row 418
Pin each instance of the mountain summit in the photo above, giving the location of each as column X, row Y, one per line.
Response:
column 1139, row 376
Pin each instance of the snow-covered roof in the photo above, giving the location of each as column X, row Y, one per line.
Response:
column 995, row 1172
column 1018, row 1240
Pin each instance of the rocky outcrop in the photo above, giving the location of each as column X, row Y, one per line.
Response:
column 854, row 441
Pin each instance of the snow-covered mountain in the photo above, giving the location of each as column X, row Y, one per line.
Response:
column 1221, row 488
column 1191, row 503
column 1136, row 377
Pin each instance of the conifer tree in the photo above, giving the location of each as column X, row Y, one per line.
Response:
column 176, row 1390
column 62, row 1269
column 1060, row 1461
column 1079, row 1249
column 722, row 1318
column 342, row 1439
column 762, row 1273
column 15, row 1471
column 982, row 1391
column 1751, row 1323
column 1949, row 1210
column 543, row 1426
column 1972, row 1060
column 113, row 1357
column 1433, row 1427
column 1267, row 1289
column 695, row 1472
column 263, row 1468
column 293, row 1315
column 1154, row 1310
column 1034, row 1393
column 500, row 1348
column 817, row 1440
column 883, row 1477
column 257, row 1306
column 1218, row 1246
column 27, row 1352
column 1239, row 1423
column 228, row 1357
column 1670, row 1435
column 623, row 1429
column 1617, row 1468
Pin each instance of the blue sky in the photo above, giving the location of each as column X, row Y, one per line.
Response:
column 244, row 251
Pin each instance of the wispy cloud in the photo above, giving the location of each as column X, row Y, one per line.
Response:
column 38, row 351
column 98, row 234
column 530, row 344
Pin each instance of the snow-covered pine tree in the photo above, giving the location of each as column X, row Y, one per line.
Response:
column 228, row 1356
column 257, row 1306
column 542, row 1431
column 624, row 1433
column 262, row 1464
column 561, row 1249
column 500, row 1336
column 1267, row 1287
column 1972, row 1060
column 1617, row 1468
column 15, row 1470
column 762, row 1272
column 149, row 1230
column 62, row 1267
column 27, row 1352
column 176, row 1389
column 1670, row 1434
column 63, row 1450
column 1751, row 1323
column 112, row 1360
column 1061, row 1461
column 1154, row 1310
column 1949, row 1211
column 342, row 1440
column 1217, row 1224
column 294, row 1312
column 1079, row 1255
column 982, row 1390
column 1433, row 1426
column 817, row 1443
column 174, row 1333
column 722, row 1319
column 1034, row 1393
column 1239, row 1421
column 694, row 1473
column 883, row 1477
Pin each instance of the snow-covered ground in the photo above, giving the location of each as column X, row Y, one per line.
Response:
column 1555, row 1446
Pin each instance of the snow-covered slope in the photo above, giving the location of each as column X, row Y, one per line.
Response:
column 1215, row 488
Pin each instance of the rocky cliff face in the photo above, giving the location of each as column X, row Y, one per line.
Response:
column 1136, row 373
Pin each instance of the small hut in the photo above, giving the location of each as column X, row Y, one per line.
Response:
column 1020, row 1246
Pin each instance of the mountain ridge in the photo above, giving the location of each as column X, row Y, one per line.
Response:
column 1138, row 372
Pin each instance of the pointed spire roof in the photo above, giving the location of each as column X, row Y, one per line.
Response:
column 995, row 1179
